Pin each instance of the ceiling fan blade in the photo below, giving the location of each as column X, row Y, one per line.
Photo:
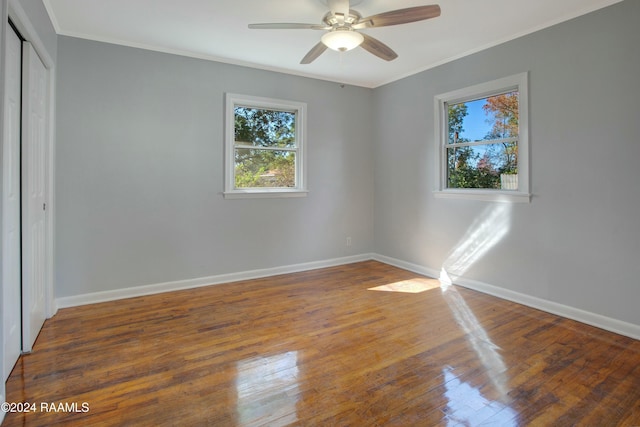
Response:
column 288, row 26
column 378, row 48
column 315, row 51
column 399, row 16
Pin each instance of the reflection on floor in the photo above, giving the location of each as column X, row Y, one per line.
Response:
column 467, row 406
column 484, row 348
column 267, row 389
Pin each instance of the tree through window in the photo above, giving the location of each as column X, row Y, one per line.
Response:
column 488, row 160
column 264, row 146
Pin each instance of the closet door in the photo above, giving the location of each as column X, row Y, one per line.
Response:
column 34, row 173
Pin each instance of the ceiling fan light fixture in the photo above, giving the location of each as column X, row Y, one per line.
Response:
column 342, row 40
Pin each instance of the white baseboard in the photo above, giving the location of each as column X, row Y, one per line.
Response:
column 603, row 322
column 593, row 319
column 425, row 271
column 138, row 291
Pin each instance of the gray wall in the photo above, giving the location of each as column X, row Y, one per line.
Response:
column 578, row 241
column 139, row 171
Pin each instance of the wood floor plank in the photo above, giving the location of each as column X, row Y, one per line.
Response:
column 335, row 346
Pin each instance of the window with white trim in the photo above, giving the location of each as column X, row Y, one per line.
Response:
column 264, row 147
column 482, row 139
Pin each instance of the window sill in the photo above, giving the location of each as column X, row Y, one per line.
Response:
column 484, row 195
column 264, row 194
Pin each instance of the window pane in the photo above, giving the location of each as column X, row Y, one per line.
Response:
column 265, row 128
column 494, row 117
column 264, row 168
column 483, row 166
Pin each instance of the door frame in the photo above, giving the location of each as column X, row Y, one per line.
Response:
column 11, row 213
column 23, row 24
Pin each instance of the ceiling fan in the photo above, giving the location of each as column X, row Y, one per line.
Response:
column 342, row 25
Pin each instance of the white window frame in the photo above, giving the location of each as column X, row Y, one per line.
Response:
column 517, row 82
column 300, row 108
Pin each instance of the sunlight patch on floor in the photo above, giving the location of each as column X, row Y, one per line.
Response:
column 411, row 286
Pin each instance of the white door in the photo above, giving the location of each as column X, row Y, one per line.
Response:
column 11, row 300
column 34, row 173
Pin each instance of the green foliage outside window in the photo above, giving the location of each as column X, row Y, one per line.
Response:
column 480, row 165
column 265, row 148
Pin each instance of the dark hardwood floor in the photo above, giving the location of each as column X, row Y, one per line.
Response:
column 321, row 348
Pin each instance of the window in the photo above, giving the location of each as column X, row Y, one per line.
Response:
column 482, row 134
column 264, row 147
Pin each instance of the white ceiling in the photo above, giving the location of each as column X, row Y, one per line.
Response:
column 217, row 30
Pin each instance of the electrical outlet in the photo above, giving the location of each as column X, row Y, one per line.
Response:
column 349, row 241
